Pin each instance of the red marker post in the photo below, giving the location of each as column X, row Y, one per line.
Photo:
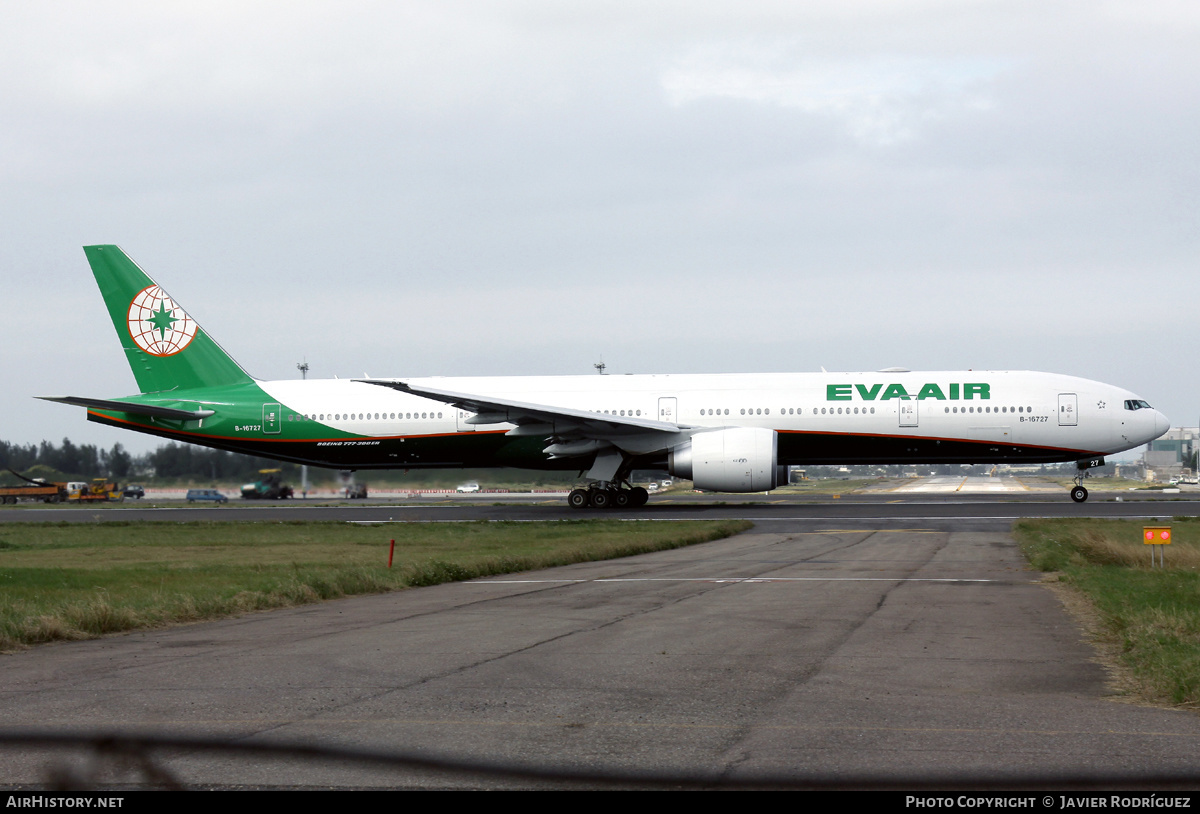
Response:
column 391, row 551
column 1157, row 537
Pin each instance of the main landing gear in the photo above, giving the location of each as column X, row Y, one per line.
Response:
column 610, row 487
column 608, row 496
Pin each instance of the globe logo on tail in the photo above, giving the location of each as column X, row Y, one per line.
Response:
column 157, row 324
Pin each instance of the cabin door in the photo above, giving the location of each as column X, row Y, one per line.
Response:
column 461, row 417
column 1068, row 409
column 271, row 418
column 667, row 410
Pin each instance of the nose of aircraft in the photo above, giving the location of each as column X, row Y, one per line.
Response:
column 1161, row 424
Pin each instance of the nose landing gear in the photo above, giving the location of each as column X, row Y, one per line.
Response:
column 1078, row 493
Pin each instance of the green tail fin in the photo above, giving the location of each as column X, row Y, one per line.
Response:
column 165, row 347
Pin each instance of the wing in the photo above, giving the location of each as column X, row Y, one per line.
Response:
column 569, row 430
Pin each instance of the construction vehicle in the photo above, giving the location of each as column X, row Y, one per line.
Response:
column 98, row 491
column 33, row 489
column 351, row 489
column 268, row 487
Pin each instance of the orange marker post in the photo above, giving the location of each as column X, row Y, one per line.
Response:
column 1156, row 536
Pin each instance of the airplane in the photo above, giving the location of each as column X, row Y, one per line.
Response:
column 724, row 432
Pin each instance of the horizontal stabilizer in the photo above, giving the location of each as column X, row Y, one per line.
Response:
column 129, row 407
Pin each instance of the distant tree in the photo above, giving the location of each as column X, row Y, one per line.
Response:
column 118, row 462
column 171, row 460
column 15, row 456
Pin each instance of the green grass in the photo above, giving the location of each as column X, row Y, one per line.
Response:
column 829, row 486
column 1149, row 618
column 61, row 581
column 1102, row 484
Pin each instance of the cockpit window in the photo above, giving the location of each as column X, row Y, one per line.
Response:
column 1136, row 404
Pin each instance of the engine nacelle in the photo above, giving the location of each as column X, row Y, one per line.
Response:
column 738, row 459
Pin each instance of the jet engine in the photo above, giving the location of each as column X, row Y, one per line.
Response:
column 738, row 459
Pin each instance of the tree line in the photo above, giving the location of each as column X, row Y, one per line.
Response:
column 70, row 461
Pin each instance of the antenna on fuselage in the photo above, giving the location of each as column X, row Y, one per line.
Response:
column 600, row 366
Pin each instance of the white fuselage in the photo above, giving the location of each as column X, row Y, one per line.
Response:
column 1021, row 408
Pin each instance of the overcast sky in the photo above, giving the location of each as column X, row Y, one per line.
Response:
column 471, row 188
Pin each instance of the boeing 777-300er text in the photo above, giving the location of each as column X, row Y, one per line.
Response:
column 725, row 433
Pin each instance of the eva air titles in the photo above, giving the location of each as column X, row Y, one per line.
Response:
column 965, row 391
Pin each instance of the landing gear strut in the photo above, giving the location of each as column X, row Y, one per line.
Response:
column 1078, row 493
column 611, row 489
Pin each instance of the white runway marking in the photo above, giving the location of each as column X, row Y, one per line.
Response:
column 725, row 579
column 963, row 484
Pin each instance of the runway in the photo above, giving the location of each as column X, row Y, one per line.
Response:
column 818, row 646
column 1000, row 508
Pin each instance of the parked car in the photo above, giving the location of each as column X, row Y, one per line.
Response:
column 467, row 487
column 135, row 490
column 206, row 494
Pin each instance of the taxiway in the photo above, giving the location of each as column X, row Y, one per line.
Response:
column 836, row 639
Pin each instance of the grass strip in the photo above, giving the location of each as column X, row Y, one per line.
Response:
column 1148, row 619
column 63, row 581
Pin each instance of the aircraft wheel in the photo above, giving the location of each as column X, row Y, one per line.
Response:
column 622, row 499
column 638, row 496
column 578, row 499
column 1079, row 494
column 601, row 499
